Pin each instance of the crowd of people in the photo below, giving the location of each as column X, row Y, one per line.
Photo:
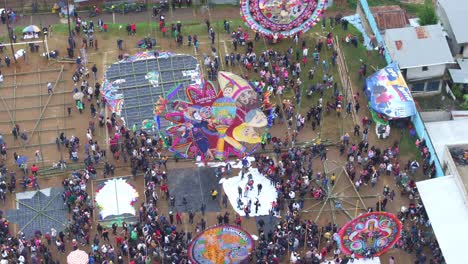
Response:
column 293, row 171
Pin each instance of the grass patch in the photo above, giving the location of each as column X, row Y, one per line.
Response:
column 412, row 9
column 407, row 146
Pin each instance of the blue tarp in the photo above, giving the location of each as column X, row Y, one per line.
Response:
column 388, row 93
column 355, row 20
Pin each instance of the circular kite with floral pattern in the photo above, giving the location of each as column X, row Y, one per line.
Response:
column 370, row 234
column 221, row 244
column 281, row 18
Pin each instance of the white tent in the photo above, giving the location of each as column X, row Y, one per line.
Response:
column 116, row 198
column 77, row 257
column 448, row 213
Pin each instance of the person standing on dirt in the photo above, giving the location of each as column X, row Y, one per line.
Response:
column 214, row 194
column 15, row 133
column 94, row 69
column 119, row 44
column 7, row 61
column 50, row 88
column 24, row 136
column 179, row 26
column 212, row 35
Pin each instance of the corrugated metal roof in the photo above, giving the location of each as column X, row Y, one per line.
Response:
column 389, row 16
column 457, row 12
column 460, row 75
column 410, row 50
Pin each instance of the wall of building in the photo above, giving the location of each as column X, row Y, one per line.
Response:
column 450, row 168
column 426, row 87
column 436, row 116
column 436, row 71
column 454, row 46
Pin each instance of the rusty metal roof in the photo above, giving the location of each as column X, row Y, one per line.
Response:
column 392, row 16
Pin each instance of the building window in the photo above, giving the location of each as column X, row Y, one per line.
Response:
column 417, row 87
column 433, row 86
column 425, row 68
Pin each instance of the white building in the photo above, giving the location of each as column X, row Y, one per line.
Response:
column 445, row 199
column 422, row 54
column 453, row 17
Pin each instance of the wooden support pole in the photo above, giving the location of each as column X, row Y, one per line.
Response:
column 33, row 119
column 40, row 124
column 45, row 106
column 22, row 85
column 356, row 210
column 355, row 190
column 31, row 107
column 14, row 97
column 31, row 72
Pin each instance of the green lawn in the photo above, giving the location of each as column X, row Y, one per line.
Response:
column 412, row 9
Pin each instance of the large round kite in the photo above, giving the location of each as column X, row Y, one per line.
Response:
column 370, row 234
column 281, row 18
column 215, row 123
column 221, row 244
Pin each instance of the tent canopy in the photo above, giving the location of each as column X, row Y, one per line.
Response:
column 77, row 257
column 388, row 93
column 32, row 28
column 448, row 213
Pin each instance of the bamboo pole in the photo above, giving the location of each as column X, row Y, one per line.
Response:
column 44, row 108
column 332, row 209
column 30, row 72
column 21, row 85
column 34, row 119
column 354, row 187
column 14, row 96
column 31, row 108
column 305, row 237
column 40, row 126
column 356, row 208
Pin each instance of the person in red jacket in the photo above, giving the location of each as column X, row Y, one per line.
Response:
column 179, row 218
column 34, row 169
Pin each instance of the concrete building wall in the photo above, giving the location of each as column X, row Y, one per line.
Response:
column 454, row 46
column 421, row 73
column 450, row 168
column 436, row 116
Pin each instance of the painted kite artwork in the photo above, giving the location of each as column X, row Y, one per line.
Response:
column 281, row 18
column 370, row 234
column 215, row 123
column 221, row 244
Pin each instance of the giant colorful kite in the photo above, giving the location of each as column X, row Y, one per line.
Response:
column 215, row 123
column 221, row 244
column 370, row 234
column 278, row 19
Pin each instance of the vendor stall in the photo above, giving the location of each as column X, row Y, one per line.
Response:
column 389, row 98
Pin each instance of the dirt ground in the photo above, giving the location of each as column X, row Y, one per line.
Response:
column 44, row 117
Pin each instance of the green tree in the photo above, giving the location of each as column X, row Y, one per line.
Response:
column 427, row 15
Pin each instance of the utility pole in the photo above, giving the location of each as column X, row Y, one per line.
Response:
column 10, row 33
